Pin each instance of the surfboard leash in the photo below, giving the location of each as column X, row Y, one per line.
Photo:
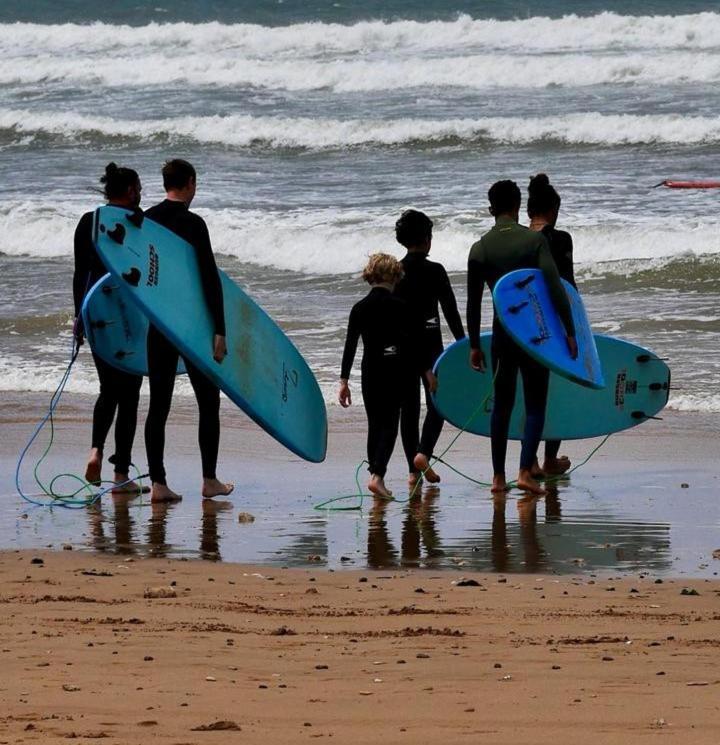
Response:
column 69, row 500
column 360, row 495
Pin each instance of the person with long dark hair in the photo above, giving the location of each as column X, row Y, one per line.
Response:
column 506, row 247
column 426, row 289
column 119, row 391
column 543, row 208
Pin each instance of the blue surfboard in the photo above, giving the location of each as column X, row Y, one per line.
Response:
column 263, row 373
column 638, row 388
column 116, row 328
column 523, row 306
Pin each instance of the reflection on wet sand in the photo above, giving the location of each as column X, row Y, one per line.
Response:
column 482, row 533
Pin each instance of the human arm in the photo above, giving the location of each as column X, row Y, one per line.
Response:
column 209, row 278
column 558, row 296
column 352, row 337
column 449, row 305
column 476, row 279
column 83, row 250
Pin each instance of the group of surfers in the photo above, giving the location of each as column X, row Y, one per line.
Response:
column 398, row 322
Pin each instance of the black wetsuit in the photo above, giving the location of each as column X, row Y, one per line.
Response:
column 119, row 391
column 163, row 356
column 424, row 287
column 391, row 360
column 506, row 247
column 561, row 248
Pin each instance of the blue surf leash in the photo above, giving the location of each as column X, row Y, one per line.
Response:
column 54, row 498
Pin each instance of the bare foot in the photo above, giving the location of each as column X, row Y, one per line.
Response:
column 536, row 471
column 126, row 486
column 527, row 483
column 422, row 464
column 214, row 488
column 162, row 493
column 556, row 466
column 93, row 469
column 499, row 485
column 376, row 486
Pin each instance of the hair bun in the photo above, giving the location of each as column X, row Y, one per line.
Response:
column 538, row 182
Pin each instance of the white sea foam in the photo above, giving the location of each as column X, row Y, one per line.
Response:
column 604, row 31
column 709, row 404
column 475, row 71
column 590, row 128
column 326, row 242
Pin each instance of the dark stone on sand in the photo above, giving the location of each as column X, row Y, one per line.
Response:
column 37, row 560
column 607, row 658
column 658, row 581
column 362, row 579
column 422, row 656
column 321, row 667
column 148, row 658
column 217, row 726
column 497, row 666
column 468, row 583
column 684, row 486
column 283, row 631
column 420, row 590
column 689, row 591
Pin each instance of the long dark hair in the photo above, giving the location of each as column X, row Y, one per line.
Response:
column 542, row 197
column 116, row 181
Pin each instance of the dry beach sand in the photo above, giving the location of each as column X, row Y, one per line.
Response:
column 227, row 653
column 97, row 647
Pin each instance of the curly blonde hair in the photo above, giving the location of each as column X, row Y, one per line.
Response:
column 382, row 268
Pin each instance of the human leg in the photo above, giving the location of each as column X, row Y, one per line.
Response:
column 505, row 369
column 535, row 379
column 409, row 425
column 207, row 396
column 103, row 415
column 162, row 368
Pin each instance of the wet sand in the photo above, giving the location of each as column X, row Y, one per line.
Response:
column 297, row 655
column 647, row 501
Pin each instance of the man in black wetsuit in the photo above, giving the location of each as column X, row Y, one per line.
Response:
column 119, row 391
column 506, row 247
column 425, row 286
column 179, row 180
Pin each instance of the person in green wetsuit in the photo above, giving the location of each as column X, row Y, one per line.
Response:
column 506, row 247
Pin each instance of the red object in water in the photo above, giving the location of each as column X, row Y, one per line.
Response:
column 690, row 184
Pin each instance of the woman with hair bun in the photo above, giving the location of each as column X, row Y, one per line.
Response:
column 392, row 357
column 543, row 207
column 119, row 391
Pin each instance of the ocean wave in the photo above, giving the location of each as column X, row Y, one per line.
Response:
column 363, row 75
column 22, row 127
column 326, row 242
column 709, row 404
column 604, row 31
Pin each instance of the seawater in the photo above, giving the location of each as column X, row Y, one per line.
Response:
column 313, row 125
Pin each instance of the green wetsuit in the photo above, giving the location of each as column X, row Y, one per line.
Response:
column 505, row 248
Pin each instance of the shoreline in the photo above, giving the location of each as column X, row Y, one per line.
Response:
column 100, row 647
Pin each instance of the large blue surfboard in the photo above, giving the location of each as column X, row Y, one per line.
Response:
column 116, row 328
column 263, row 373
column 523, row 306
column 638, row 388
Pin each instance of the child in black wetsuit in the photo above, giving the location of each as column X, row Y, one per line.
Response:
column 392, row 357
column 543, row 207
column 424, row 286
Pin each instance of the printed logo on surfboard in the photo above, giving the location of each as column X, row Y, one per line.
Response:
column 153, row 266
column 620, row 381
column 289, row 378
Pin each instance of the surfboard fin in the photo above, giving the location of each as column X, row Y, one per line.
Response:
column 525, row 282
column 136, row 218
column 132, row 277
column 117, row 234
column 517, row 308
